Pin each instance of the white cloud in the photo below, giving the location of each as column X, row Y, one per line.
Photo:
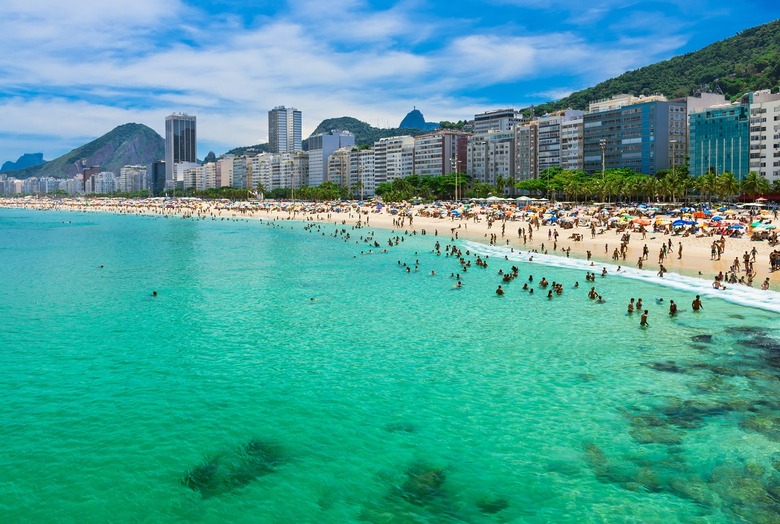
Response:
column 76, row 70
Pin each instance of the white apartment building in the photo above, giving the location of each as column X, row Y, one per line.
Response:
column 765, row 134
column 440, row 152
column 393, row 158
column 497, row 120
column 132, row 178
column 572, row 143
column 338, row 166
column 225, row 171
column 491, row 155
column 361, row 172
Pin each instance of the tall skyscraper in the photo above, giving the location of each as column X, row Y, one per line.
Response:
column 180, row 143
column 284, row 130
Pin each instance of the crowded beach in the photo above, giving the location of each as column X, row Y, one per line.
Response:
column 734, row 245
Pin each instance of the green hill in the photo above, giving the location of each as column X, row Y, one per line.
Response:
column 365, row 134
column 128, row 144
column 746, row 62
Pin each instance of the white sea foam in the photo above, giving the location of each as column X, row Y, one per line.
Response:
column 737, row 294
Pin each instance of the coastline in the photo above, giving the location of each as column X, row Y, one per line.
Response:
column 696, row 261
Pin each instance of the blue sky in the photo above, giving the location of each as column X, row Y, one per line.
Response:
column 72, row 71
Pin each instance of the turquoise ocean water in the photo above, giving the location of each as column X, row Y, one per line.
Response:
column 391, row 397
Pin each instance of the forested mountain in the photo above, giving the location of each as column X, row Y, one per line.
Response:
column 365, row 134
column 748, row 61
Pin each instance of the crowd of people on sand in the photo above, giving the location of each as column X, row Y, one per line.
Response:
column 671, row 231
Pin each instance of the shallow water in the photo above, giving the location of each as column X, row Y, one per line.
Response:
column 391, row 397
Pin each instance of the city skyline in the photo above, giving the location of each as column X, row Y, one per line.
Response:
column 73, row 72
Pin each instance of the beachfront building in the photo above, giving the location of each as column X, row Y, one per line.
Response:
column 497, row 120
column 571, row 142
column 765, row 134
column 157, row 177
column 720, row 139
column 239, row 177
column 284, row 130
column 132, row 179
column 102, row 183
column 200, row 178
column 338, row 166
column 361, row 172
column 180, row 144
column 393, row 158
column 261, row 172
column 440, row 152
column 320, row 147
column 647, row 135
column 526, row 167
column 224, row 168
column 491, row 157
column 550, row 138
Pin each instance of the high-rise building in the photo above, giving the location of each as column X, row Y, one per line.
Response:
column 321, row 146
column 157, row 177
column 361, row 172
column 720, row 139
column 393, row 158
column 647, row 136
column 497, row 120
column 765, row 134
column 440, row 152
column 284, row 130
column 180, row 144
column 526, row 167
column 492, row 155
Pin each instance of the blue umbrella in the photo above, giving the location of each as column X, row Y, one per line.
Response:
column 736, row 226
column 717, row 219
column 707, row 212
column 678, row 223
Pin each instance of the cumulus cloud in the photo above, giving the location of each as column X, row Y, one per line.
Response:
column 70, row 72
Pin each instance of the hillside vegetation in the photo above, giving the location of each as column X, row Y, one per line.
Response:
column 365, row 134
column 746, row 62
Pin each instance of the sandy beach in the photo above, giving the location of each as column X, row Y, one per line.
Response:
column 696, row 259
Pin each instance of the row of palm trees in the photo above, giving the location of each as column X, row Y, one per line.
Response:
column 625, row 184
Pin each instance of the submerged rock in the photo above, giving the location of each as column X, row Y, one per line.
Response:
column 400, row 427
column 670, row 366
column 422, row 485
column 766, row 424
column 232, row 470
column 706, row 338
column 492, row 504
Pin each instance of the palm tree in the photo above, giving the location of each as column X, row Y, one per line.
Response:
column 650, row 188
column 754, row 185
column 707, row 184
column 726, row 185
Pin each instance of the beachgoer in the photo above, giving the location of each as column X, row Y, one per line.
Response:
column 696, row 305
column 631, row 306
column 643, row 320
column 499, row 291
column 672, row 308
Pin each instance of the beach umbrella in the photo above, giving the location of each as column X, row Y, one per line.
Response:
column 717, row 218
column 757, row 223
column 678, row 223
column 771, row 226
column 736, row 226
